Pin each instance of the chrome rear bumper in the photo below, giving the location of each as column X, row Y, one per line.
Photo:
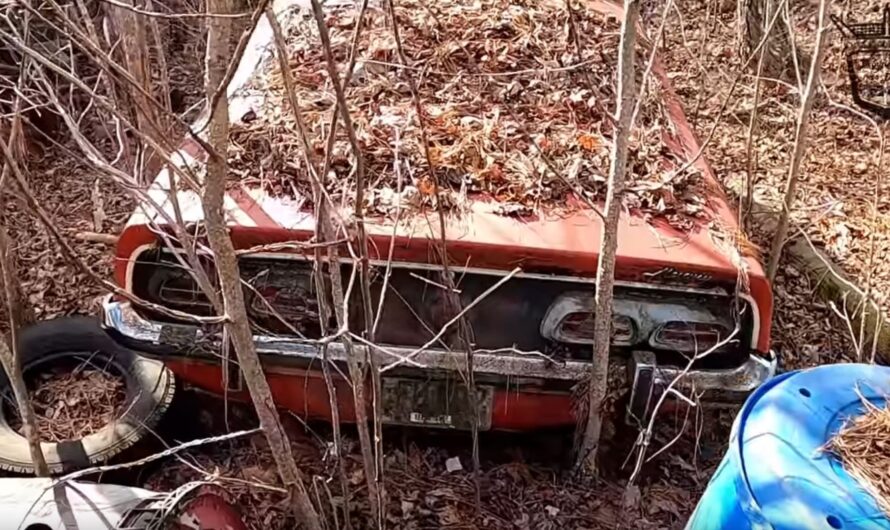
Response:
column 730, row 386
column 515, row 367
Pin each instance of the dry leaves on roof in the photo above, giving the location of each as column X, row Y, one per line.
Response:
column 512, row 111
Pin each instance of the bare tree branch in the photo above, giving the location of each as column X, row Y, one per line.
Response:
column 374, row 464
column 155, row 14
column 800, row 142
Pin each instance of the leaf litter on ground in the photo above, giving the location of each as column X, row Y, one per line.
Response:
column 842, row 201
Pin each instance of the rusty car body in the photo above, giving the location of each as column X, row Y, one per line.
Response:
column 676, row 292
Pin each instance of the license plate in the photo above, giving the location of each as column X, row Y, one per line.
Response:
column 434, row 403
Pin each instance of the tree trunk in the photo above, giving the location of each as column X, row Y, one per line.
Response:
column 778, row 57
column 751, row 164
column 237, row 323
column 800, row 142
column 18, row 310
column 135, row 52
column 9, row 355
column 17, row 146
column 605, row 274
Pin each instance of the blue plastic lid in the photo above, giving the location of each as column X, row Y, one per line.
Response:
column 794, row 482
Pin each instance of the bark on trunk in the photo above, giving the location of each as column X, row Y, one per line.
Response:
column 779, row 53
column 135, row 51
column 322, row 233
column 605, row 274
column 18, row 310
column 752, row 132
column 134, row 45
column 9, row 355
column 800, row 142
column 17, row 148
column 237, row 323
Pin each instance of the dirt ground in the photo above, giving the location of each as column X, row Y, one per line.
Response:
column 523, row 482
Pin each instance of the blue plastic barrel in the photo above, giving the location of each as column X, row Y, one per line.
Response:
column 776, row 474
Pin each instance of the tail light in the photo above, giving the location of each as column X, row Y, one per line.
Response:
column 176, row 289
column 577, row 328
column 686, row 326
column 689, row 337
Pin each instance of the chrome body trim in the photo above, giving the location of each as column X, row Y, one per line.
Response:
column 512, row 365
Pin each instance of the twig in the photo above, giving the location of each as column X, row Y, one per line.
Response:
column 454, row 319
column 452, row 300
column 321, row 199
column 579, row 193
column 144, row 199
column 434, row 284
column 385, row 350
column 347, row 78
column 651, row 61
column 289, row 245
column 701, row 149
column 156, row 144
column 104, row 61
column 800, row 143
column 872, row 253
column 397, row 167
column 511, row 73
column 237, row 54
column 692, row 404
column 95, row 237
column 646, row 435
column 576, row 41
column 52, row 229
column 749, row 140
column 157, row 456
column 375, row 481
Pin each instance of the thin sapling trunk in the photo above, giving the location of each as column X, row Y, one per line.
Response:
column 800, row 142
column 10, row 358
column 237, row 322
column 372, row 451
column 605, row 274
column 322, row 232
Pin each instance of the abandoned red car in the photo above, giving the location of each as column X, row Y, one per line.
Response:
column 532, row 334
column 677, row 292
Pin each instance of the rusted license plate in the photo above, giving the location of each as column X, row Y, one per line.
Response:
column 434, row 403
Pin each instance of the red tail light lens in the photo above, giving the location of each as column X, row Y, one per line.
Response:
column 689, row 337
column 577, row 328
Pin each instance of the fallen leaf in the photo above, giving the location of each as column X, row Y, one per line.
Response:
column 588, row 142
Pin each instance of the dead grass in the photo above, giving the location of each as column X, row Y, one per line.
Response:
column 863, row 445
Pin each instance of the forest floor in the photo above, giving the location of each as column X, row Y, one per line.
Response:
column 524, row 481
column 841, row 207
